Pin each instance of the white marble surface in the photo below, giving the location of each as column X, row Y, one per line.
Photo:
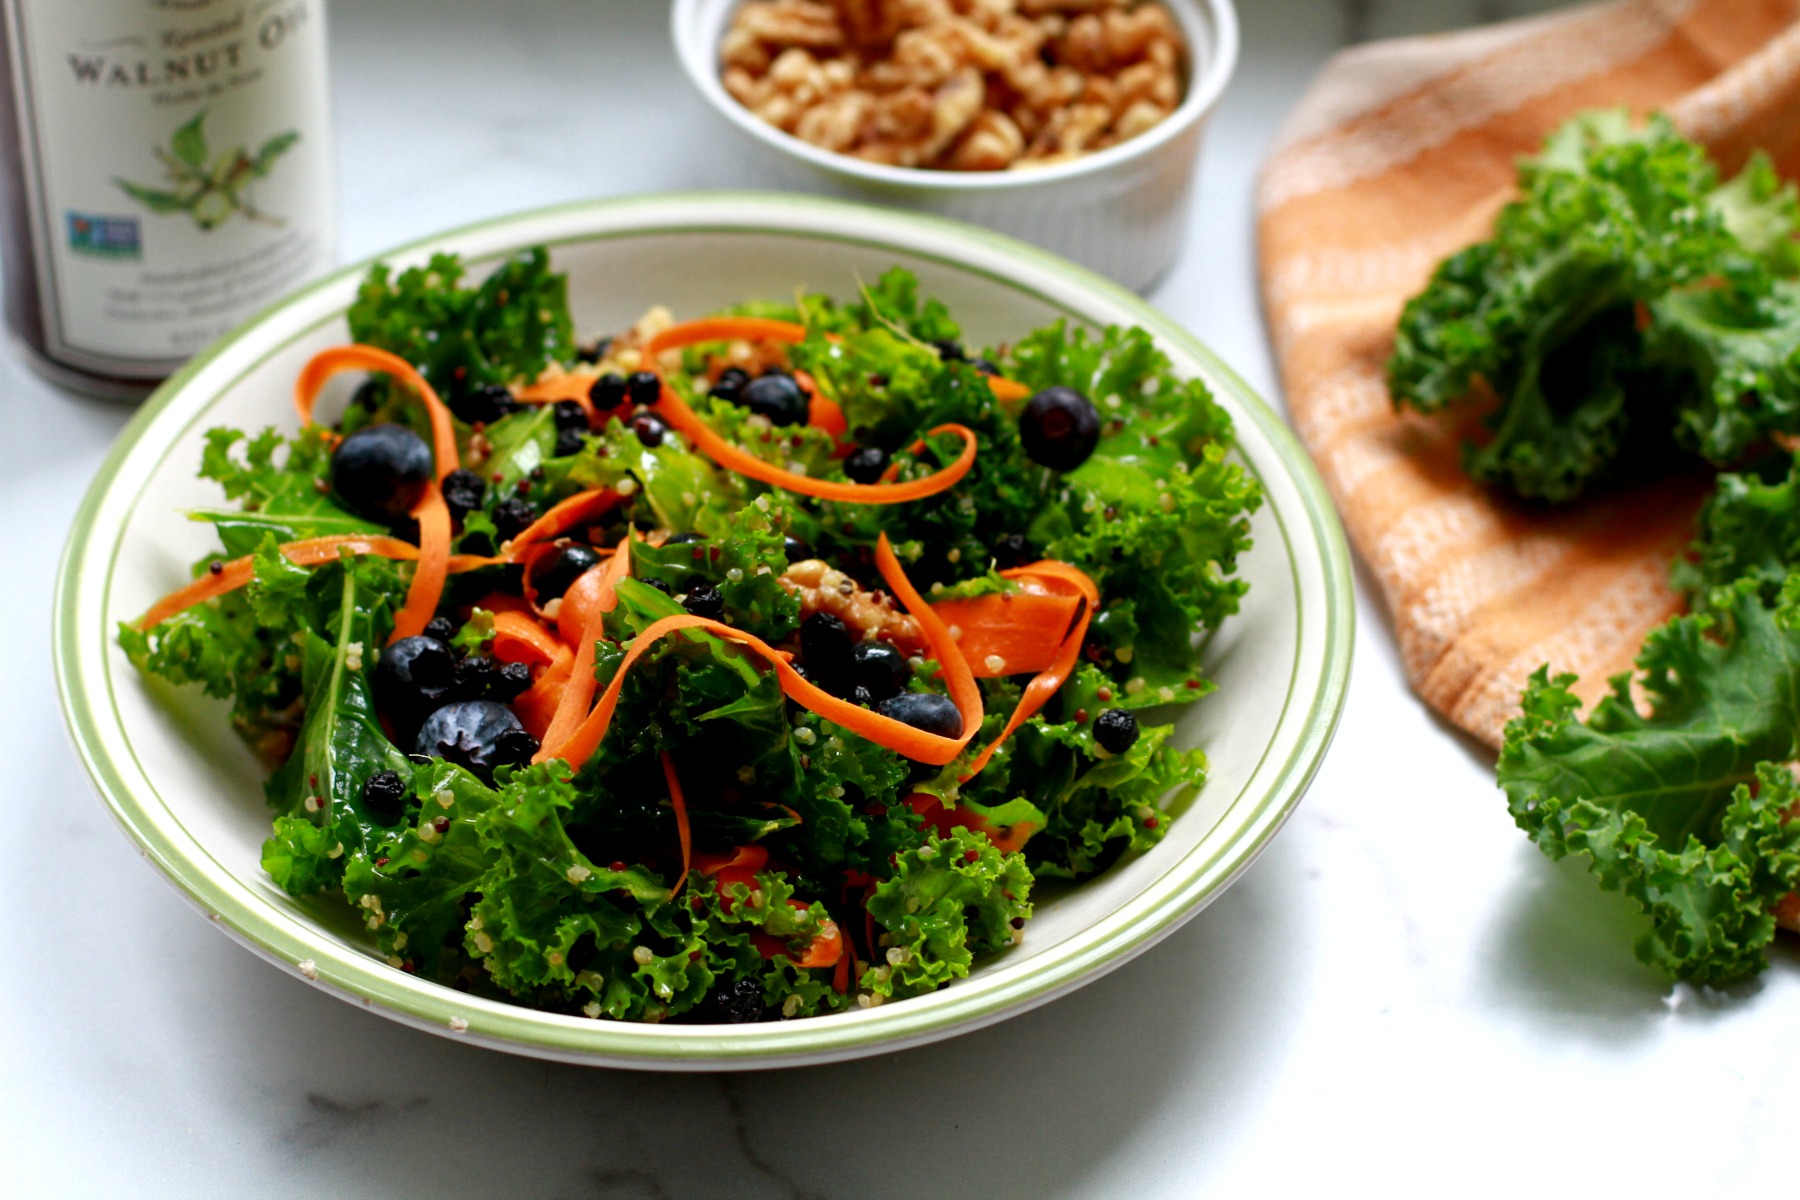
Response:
column 1401, row 998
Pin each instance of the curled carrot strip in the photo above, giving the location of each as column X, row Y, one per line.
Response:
column 1014, row 633
column 537, row 707
column 518, row 638
column 724, row 329
column 576, row 509
column 1006, row 390
column 587, row 601
column 427, row 586
column 308, row 552
column 897, row 736
column 675, row 410
column 561, row 387
column 358, row 357
column 679, row 802
column 1058, row 575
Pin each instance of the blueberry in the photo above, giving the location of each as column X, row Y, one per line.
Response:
column 569, row 415
column 880, row 668
column 644, row 387
column 569, row 441
column 441, row 628
column 594, row 351
column 649, row 428
column 384, row 797
column 795, row 549
column 950, row 351
column 660, row 586
column 704, row 600
column 412, row 677
column 463, row 492
column 729, row 386
column 866, row 464
column 825, row 645
column 1012, row 550
column 1116, row 730
column 483, row 405
column 925, row 711
column 985, row 366
column 553, row 574
column 777, row 396
column 683, row 539
column 380, row 472
column 1059, row 428
column 477, row 734
column 607, row 392
column 509, row 682
column 479, row 677
column 736, row 1003
column 512, row 515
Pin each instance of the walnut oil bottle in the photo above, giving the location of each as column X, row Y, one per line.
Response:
column 167, row 172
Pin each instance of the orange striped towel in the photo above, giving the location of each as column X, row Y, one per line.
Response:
column 1403, row 152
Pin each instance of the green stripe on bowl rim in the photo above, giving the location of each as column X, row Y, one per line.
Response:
column 283, row 937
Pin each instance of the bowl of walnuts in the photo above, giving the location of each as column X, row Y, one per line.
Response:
column 1074, row 124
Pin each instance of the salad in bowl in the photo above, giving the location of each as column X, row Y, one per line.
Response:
column 746, row 667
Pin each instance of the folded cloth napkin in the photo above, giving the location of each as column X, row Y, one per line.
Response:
column 1403, row 152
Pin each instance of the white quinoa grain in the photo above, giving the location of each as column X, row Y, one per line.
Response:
column 1135, row 686
column 458, row 1025
column 642, row 956
column 995, row 664
column 576, row 873
column 591, row 1009
column 805, row 737
column 484, row 943
column 626, row 486
column 308, row 968
column 790, row 1006
column 1166, row 502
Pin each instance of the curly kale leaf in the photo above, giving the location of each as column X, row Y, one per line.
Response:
column 317, row 793
column 279, row 498
column 1546, row 320
column 950, row 898
column 507, row 328
column 1749, row 529
column 1680, row 809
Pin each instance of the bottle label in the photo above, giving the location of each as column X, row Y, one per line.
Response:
column 177, row 163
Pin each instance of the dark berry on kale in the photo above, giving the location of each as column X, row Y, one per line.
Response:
column 509, row 682
column 441, row 628
column 866, row 464
column 476, row 543
column 729, row 386
column 985, row 365
column 413, row 676
column 380, row 472
column 950, row 351
column 777, row 396
column 569, row 441
column 369, row 394
column 477, row 734
column 1116, row 730
column 1059, row 428
column 795, row 549
column 553, row 574
column 660, row 586
column 569, row 415
column 1012, row 550
column 826, row 647
column 483, row 405
column 475, row 675
column 682, row 539
column 594, row 351
column 879, row 668
column 384, row 797
column 607, row 392
column 463, row 492
column 739, row 1002
column 649, row 428
column 644, row 387
column 704, row 600
column 925, row 711
column 512, row 515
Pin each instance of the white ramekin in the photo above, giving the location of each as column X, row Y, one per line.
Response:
column 1122, row 211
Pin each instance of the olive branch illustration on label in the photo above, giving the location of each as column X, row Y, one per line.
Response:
column 210, row 192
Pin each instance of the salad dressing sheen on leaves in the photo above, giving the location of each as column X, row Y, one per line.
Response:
column 168, row 172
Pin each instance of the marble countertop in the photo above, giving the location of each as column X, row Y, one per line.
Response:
column 1402, row 997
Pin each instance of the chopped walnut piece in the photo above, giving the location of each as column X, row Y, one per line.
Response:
column 868, row 615
column 963, row 85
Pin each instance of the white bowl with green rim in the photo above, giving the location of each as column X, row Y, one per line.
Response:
column 189, row 794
